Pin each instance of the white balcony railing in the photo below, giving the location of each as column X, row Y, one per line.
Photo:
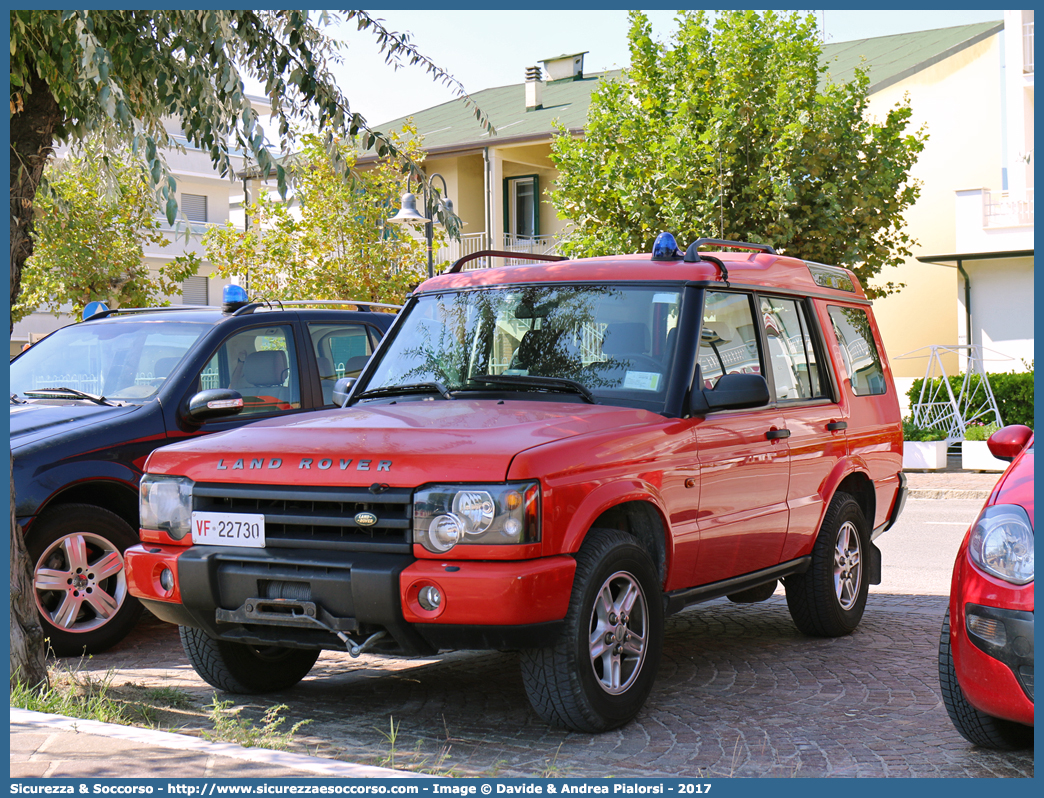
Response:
column 454, row 250
column 476, row 242
column 999, row 209
column 180, row 225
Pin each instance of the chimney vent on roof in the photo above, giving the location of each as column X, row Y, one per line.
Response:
column 565, row 67
column 534, row 88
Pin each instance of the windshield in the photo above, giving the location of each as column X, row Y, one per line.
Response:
column 125, row 360
column 614, row 344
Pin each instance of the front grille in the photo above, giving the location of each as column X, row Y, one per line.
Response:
column 317, row 518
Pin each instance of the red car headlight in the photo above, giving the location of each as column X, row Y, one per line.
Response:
column 1001, row 543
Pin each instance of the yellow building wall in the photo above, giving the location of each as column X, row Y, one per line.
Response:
column 959, row 102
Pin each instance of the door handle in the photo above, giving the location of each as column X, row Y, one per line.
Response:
column 772, row 434
column 834, row 426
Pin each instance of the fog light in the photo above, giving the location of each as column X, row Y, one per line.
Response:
column 166, row 579
column 429, row 598
column 989, row 629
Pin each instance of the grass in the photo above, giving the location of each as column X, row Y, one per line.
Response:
column 75, row 693
column 414, row 761
column 551, row 769
column 230, row 726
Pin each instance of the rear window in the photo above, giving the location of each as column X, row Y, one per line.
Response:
column 862, row 362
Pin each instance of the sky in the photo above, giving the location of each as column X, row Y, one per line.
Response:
column 486, row 48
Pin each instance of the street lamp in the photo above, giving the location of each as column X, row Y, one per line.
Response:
column 408, row 213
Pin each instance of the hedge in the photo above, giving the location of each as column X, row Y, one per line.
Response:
column 1013, row 392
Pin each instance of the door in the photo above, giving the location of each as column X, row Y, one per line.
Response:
column 805, row 394
column 263, row 364
column 743, row 454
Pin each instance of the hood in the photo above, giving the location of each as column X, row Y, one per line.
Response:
column 35, row 421
column 1016, row 484
column 403, row 445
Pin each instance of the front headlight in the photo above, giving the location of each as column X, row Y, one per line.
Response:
column 1002, row 543
column 447, row 515
column 165, row 503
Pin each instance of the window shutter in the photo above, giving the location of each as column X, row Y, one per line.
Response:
column 194, row 206
column 194, row 291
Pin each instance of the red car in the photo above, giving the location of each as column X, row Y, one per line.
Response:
column 986, row 654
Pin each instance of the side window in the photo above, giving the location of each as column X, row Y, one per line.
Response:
column 261, row 364
column 341, row 350
column 728, row 337
column 862, row 362
column 795, row 371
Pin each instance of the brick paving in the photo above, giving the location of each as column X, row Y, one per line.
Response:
column 740, row 693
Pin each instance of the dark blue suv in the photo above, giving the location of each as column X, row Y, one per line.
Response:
column 92, row 400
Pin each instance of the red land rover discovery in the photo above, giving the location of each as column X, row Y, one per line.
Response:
column 549, row 458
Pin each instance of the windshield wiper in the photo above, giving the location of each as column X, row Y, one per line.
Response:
column 67, row 393
column 538, row 383
column 413, row 387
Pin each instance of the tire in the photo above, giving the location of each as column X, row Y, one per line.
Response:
column 580, row 682
column 976, row 727
column 829, row 598
column 79, row 581
column 243, row 668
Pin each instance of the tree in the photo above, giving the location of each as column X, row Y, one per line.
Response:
column 332, row 241
column 734, row 130
column 121, row 74
column 124, row 74
column 90, row 232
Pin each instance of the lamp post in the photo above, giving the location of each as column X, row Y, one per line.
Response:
column 408, row 213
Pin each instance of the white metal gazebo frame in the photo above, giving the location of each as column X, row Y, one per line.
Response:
column 937, row 407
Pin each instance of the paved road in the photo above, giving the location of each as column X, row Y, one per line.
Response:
column 740, row 692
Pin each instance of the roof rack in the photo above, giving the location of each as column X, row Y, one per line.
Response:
column 692, row 254
column 499, row 253
column 362, row 305
column 104, row 314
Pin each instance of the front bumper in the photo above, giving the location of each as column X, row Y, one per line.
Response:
column 316, row 599
column 992, row 642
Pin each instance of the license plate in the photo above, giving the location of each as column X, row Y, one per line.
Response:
column 229, row 529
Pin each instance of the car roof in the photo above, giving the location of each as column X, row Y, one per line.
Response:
column 211, row 315
column 760, row 270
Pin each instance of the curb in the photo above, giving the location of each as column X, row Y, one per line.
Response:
column 151, row 738
column 948, row 493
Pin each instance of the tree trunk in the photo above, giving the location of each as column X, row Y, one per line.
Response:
column 28, row 659
column 34, row 121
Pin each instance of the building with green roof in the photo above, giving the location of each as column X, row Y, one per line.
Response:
column 963, row 87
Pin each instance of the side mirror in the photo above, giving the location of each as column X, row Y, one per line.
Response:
column 213, row 403
column 736, row 391
column 1007, row 442
column 342, row 388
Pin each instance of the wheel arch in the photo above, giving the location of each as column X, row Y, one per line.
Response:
column 116, row 497
column 860, row 487
column 631, row 508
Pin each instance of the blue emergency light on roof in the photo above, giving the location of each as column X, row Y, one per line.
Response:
column 665, row 247
column 233, row 297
